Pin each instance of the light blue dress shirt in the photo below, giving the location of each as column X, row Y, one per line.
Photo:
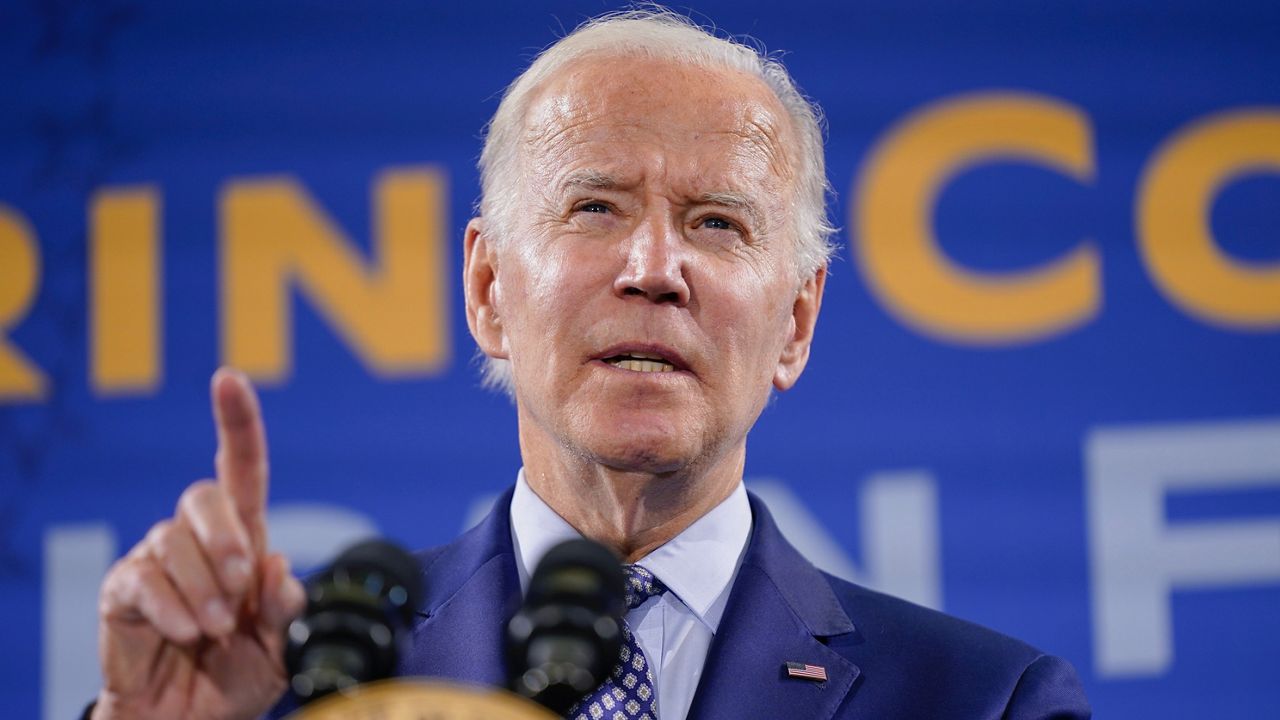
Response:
column 698, row 566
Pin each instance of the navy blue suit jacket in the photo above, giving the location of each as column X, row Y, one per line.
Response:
column 885, row 658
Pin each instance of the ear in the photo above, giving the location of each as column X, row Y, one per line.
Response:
column 481, row 290
column 804, row 317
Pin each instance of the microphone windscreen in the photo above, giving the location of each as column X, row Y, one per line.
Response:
column 359, row 612
column 566, row 638
column 579, row 572
column 398, row 568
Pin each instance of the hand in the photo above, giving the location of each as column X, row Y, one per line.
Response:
column 191, row 620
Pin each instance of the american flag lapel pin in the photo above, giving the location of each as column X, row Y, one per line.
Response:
column 807, row 671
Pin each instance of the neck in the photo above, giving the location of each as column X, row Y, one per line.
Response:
column 631, row 511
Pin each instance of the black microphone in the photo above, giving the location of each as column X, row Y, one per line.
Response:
column 565, row 639
column 358, row 616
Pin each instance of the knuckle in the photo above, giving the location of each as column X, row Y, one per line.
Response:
column 198, row 495
column 161, row 539
column 116, row 581
column 160, row 534
column 223, row 545
column 141, row 550
column 126, row 582
column 146, row 576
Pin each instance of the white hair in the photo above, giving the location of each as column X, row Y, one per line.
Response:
column 659, row 33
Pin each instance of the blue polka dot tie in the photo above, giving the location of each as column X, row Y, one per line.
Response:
column 627, row 694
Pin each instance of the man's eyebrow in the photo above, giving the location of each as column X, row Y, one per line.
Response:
column 591, row 180
column 736, row 201
column 599, row 180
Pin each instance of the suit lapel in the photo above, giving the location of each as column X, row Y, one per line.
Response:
column 472, row 590
column 780, row 610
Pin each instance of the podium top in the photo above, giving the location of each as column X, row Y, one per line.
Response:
column 410, row 699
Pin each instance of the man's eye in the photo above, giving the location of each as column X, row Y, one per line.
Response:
column 593, row 207
column 717, row 223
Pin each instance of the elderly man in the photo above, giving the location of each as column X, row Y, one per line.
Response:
column 648, row 264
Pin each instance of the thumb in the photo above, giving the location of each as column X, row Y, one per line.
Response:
column 282, row 599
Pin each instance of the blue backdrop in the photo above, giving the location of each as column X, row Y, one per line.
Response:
column 1044, row 382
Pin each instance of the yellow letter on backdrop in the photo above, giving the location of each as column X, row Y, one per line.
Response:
column 897, row 250
column 1174, row 203
column 19, row 279
column 391, row 310
column 124, row 290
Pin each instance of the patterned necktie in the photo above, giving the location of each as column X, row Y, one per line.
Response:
column 627, row 694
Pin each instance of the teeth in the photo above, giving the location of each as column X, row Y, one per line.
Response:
column 643, row 356
column 639, row 365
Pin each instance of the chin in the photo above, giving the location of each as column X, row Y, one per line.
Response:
column 640, row 451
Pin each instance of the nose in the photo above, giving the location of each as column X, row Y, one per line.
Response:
column 655, row 264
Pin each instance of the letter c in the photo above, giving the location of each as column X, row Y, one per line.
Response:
column 1175, row 198
column 897, row 250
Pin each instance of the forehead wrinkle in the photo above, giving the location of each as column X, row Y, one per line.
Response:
column 539, row 146
column 763, row 133
column 561, row 123
column 553, row 130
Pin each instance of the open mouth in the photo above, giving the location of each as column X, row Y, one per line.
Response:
column 640, row 362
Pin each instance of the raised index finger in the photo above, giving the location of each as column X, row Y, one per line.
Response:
column 242, row 451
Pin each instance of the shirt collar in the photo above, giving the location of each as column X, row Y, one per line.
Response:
column 535, row 529
column 698, row 565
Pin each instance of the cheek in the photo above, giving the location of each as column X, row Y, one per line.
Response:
column 755, row 324
column 539, row 294
column 547, row 262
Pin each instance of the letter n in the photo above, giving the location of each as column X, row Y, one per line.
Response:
column 390, row 310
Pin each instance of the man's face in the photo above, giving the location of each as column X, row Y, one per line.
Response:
column 647, row 293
